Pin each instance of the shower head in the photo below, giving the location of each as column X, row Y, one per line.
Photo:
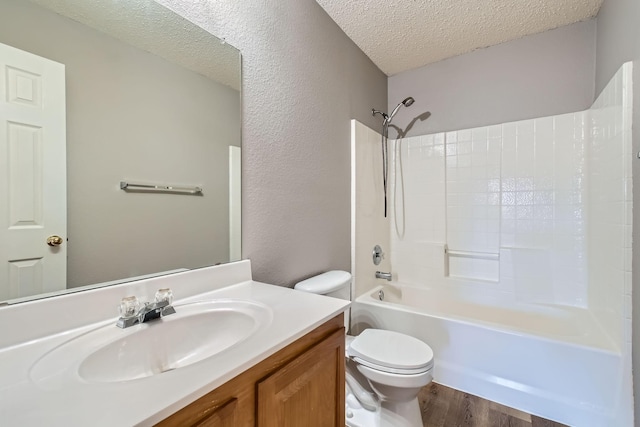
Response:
column 385, row 129
column 406, row 102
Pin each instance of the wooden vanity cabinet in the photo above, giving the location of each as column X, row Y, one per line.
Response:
column 300, row 385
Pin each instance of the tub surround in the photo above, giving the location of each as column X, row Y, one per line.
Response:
column 40, row 326
column 520, row 233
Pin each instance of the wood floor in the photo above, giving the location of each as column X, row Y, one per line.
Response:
column 445, row 407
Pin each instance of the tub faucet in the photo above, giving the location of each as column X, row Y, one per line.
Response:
column 133, row 311
column 381, row 275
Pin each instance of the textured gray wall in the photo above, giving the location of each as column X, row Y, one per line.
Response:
column 539, row 75
column 618, row 41
column 303, row 81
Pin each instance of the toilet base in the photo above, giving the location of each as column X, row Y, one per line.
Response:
column 357, row 416
column 387, row 414
column 401, row 414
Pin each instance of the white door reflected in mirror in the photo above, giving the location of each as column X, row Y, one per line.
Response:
column 33, row 152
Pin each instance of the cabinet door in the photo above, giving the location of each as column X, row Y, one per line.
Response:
column 224, row 407
column 224, row 416
column 308, row 391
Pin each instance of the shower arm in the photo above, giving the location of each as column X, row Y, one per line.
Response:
column 385, row 117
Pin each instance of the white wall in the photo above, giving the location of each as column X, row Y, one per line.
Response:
column 539, row 75
column 303, row 81
column 369, row 225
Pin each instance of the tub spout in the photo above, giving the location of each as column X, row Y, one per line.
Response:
column 381, row 275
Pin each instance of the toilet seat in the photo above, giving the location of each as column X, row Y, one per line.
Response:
column 389, row 370
column 391, row 352
column 395, row 380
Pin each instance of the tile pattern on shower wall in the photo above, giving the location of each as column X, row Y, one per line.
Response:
column 417, row 209
column 473, row 189
column 515, row 189
column 542, row 212
column 473, row 201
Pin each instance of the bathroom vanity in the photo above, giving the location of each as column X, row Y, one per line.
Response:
column 236, row 353
column 302, row 384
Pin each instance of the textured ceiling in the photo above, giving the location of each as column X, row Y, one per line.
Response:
column 400, row 35
column 151, row 27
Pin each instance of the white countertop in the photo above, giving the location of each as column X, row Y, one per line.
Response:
column 146, row 401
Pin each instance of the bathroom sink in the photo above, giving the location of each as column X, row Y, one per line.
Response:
column 196, row 332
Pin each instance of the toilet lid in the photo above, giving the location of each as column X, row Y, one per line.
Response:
column 389, row 349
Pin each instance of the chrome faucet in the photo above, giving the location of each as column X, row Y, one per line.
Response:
column 381, row 275
column 133, row 311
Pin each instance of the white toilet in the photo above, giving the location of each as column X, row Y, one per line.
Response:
column 396, row 366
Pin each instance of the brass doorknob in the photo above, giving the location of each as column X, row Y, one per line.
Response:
column 54, row 240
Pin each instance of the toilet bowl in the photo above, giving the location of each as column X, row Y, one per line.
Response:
column 394, row 367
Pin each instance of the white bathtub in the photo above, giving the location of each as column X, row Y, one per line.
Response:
column 551, row 361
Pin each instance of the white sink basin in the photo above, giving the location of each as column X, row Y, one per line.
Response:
column 109, row 354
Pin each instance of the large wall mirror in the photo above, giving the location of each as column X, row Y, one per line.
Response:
column 119, row 145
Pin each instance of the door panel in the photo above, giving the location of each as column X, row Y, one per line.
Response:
column 33, row 188
column 308, row 391
column 225, row 416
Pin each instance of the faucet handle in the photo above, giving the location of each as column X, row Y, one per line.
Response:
column 164, row 298
column 129, row 307
column 164, row 294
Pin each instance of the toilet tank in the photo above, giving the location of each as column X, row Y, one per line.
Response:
column 333, row 283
